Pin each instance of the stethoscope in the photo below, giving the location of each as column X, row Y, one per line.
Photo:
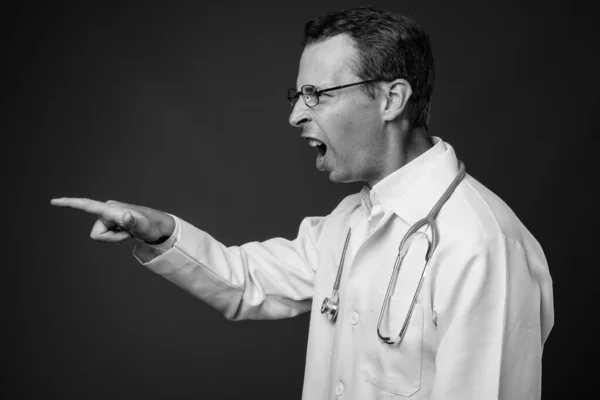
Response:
column 330, row 304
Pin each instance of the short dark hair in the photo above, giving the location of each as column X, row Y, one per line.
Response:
column 389, row 45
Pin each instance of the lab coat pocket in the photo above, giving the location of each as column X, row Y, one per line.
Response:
column 394, row 368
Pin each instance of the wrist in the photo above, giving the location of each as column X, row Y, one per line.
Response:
column 166, row 228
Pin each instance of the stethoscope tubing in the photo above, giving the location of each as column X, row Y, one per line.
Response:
column 429, row 220
column 330, row 305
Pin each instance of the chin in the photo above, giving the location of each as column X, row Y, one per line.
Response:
column 340, row 177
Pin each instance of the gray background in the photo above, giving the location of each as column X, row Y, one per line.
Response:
column 181, row 106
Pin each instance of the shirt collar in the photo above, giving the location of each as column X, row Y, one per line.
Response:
column 411, row 191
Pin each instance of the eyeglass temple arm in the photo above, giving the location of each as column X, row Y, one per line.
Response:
column 345, row 86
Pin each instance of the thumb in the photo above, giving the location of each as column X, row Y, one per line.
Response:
column 136, row 224
column 129, row 221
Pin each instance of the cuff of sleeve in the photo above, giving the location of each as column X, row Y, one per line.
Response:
column 144, row 252
column 183, row 256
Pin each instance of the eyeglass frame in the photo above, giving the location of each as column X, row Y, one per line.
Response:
column 318, row 93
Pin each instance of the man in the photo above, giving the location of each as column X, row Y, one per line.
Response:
column 472, row 328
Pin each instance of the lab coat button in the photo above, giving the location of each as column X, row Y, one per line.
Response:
column 339, row 389
column 354, row 318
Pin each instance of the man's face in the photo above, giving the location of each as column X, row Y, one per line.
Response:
column 347, row 121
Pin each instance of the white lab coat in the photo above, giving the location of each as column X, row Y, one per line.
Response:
column 482, row 315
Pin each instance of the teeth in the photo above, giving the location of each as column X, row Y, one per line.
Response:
column 313, row 142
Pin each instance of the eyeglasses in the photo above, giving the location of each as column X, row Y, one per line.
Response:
column 310, row 94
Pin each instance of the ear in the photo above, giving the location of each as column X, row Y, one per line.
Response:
column 397, row 93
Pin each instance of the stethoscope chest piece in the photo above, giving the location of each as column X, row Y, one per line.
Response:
column 330, row 308
column 330, row 305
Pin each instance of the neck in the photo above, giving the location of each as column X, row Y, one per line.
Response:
column 415, row 143
column 403, row 146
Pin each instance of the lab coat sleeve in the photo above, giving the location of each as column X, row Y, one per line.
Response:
column 266, row 280
column 491, row 306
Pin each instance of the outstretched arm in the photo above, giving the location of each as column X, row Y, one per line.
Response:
column 272, row 279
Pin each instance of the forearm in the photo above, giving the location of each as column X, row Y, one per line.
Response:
column 254, row 281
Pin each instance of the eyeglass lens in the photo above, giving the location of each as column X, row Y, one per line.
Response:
column 309, row 96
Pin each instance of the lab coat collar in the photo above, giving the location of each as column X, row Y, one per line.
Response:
column 398, row 182
column 412, row 191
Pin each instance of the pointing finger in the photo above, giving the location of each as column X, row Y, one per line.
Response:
column 87, row 205
column 118, row 203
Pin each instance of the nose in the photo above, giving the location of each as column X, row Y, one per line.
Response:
column 300, row 115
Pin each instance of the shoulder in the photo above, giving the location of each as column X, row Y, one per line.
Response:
column 477, row 219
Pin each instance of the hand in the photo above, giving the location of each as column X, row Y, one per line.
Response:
column 120, row 221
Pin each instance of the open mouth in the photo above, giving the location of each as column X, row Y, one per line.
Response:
column 317, row 144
